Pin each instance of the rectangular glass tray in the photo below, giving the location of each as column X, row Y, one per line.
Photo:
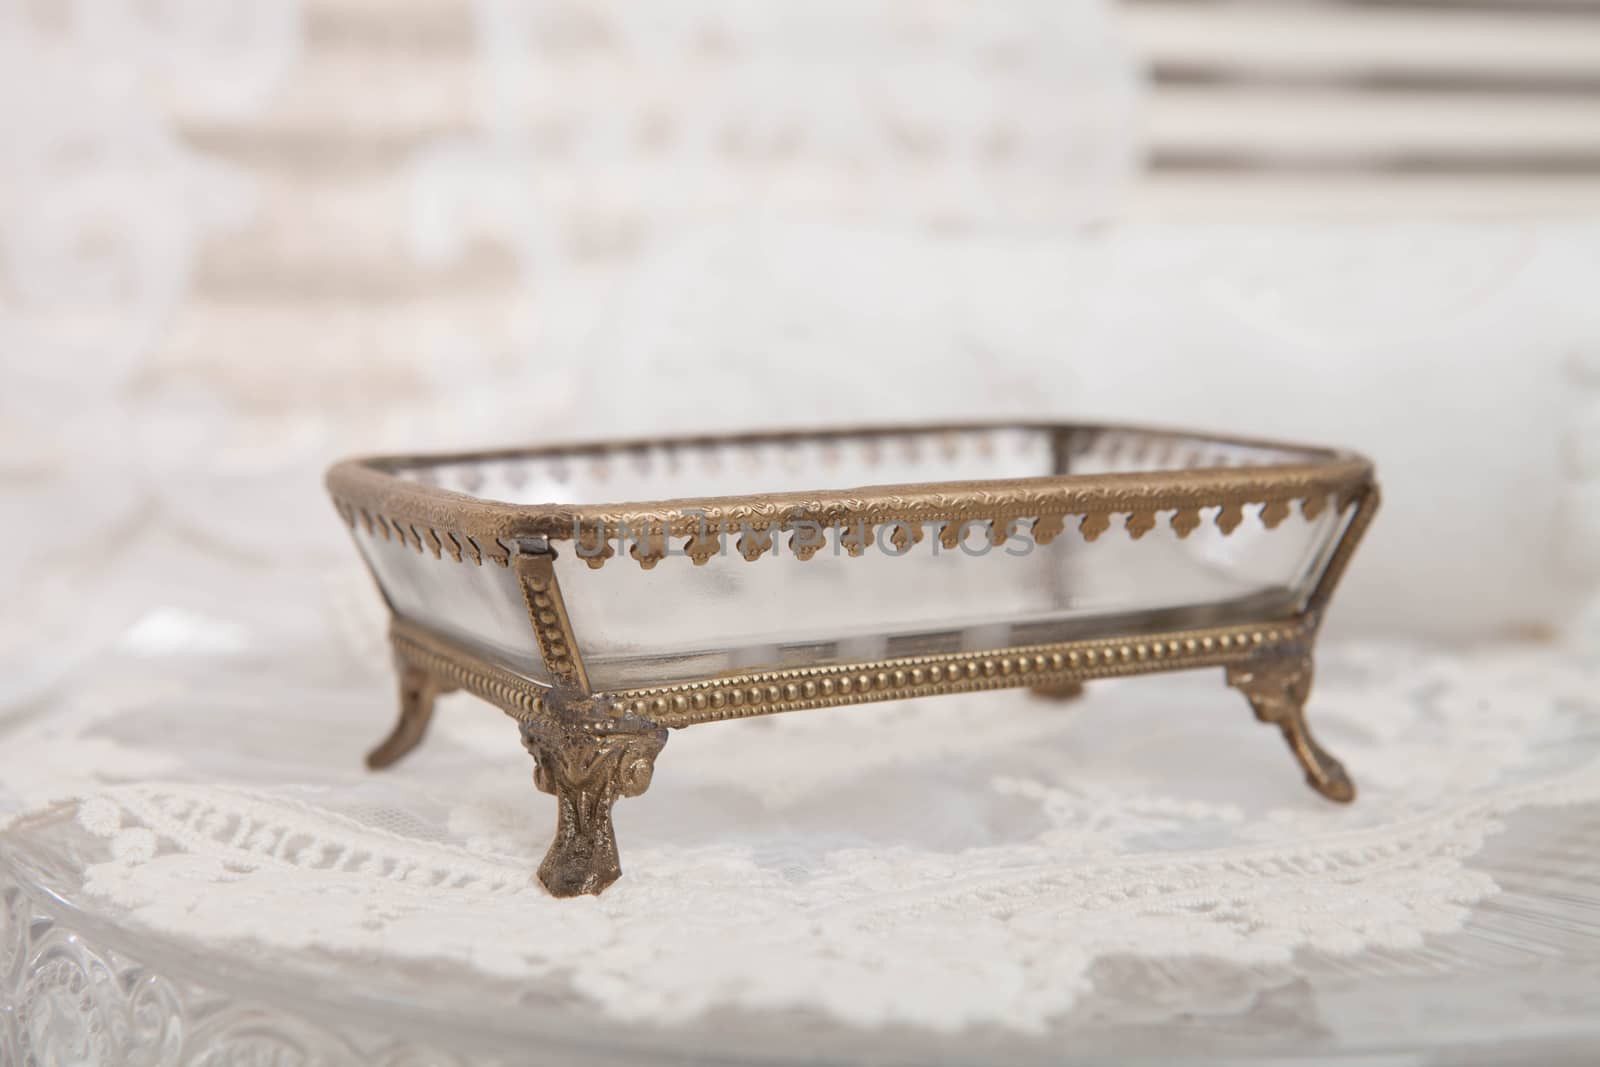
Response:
column 601, row 593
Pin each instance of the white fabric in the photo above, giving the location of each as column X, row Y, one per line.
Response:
column 943, row 863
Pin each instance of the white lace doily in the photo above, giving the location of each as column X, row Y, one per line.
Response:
column 939, row 864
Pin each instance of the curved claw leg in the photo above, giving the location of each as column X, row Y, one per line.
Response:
column 417, row 694
column 1323, row 773
column 1277, row 684
column 587, row 764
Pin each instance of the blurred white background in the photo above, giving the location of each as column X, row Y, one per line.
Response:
column 239, row 240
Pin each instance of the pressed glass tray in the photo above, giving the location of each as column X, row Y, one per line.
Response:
column 603, row 594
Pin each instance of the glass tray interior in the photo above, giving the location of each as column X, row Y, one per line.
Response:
column 731, row 467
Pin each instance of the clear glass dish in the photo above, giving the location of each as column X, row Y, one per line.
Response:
column 922, row 541
column 931, row 560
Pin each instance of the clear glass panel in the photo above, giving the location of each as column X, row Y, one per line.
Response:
column 481, row 606
column 679, row 621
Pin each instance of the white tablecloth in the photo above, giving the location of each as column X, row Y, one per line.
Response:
column 1010, row 873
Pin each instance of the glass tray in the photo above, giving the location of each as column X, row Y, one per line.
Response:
column 931, row 561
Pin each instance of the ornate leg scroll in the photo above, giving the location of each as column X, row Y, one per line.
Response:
column 1277, row 684
column 418, row 690
column 587, row 760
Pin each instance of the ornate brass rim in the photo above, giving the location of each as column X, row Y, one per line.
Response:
column 369, row 492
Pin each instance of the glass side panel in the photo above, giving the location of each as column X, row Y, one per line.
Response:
column 679, row 621
column 481, row 606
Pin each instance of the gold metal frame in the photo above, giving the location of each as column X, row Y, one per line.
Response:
column 591, row 747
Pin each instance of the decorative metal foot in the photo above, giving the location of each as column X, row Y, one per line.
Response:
column 587, row 762
column 1059, row 691
column 418, row 690
column 1277, row 684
